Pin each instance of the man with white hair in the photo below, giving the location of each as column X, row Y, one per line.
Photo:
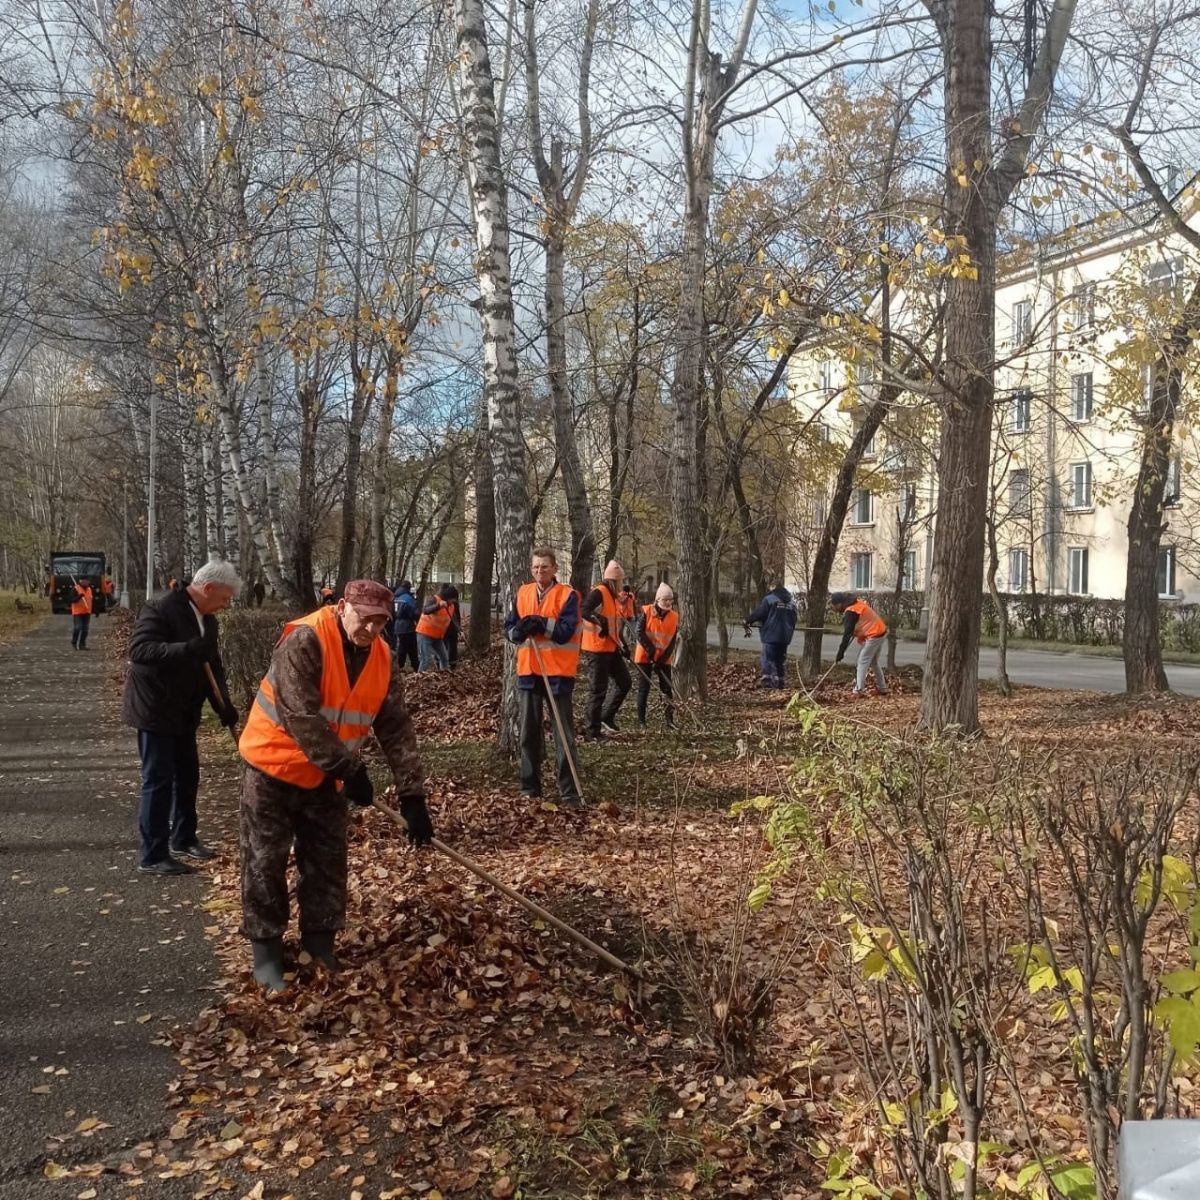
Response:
column 657, row 633
column 174, row 640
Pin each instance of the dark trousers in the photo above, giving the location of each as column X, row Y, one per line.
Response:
column 452, row 646
column 531, row 704
column 646, row 672
column 272, row 816
column 79, row 629
column 406, row 649
column 606, row 668
column 774, row 664
column 170, row 781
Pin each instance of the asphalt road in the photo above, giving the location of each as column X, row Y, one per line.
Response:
column 96, row 961
column 1039, row 668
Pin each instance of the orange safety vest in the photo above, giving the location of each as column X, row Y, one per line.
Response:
column 595, row 642
column 558, row 660
column 435, row 624
column 106, row 586
column 660, row 631
column 83, row 606
column 350, row 711
column 870, row 623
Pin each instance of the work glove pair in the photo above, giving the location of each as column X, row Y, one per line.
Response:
column 532, row 626
column 360, row 791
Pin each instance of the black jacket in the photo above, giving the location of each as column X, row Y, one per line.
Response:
column 165, row 684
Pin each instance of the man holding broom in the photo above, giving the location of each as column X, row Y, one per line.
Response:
column 332, row 683
column 544, row 626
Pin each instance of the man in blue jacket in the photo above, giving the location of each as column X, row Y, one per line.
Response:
column 776, row 618
column 404, row 624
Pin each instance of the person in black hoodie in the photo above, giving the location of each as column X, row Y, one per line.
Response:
column 405, row 615
column 776, row 618
column 173, row 640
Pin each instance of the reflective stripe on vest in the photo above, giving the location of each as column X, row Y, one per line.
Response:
column 870, row 623
column 561, row 661
column 435, row 624
column 660, row 631
column 350, row 711
column 594, row 641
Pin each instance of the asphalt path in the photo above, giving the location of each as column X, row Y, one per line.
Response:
column 1038, row 668
column 96, row 960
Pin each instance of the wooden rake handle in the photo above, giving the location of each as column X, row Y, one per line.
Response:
column 524, row 901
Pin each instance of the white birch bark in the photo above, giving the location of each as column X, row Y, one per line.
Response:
column 489, row 203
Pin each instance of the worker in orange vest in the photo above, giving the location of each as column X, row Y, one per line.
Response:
column 657, row 632
column 81, row 614
column 861, row 622
column 544, row 626
column 332, row 684
column 436, row 618
column 606, row 653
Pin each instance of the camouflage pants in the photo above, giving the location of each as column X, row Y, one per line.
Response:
column 273, row 817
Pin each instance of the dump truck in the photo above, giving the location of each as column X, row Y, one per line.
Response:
column 68, row 567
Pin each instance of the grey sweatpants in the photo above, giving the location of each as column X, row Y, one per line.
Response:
column 868, row 661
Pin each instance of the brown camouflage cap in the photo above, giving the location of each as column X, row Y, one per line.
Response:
column 370, row 599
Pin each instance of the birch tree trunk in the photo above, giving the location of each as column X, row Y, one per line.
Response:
column 214, row 535
column 360, row 405
column 705, row 90
column 489, row 203
column 302, row 542
column 976, row 191
column 479, row 628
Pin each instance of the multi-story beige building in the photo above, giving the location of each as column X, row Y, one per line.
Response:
column 1077, row 329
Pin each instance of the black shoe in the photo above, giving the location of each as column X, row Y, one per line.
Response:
column 166, row 866
column 268, row 964
column 197, row 850
column 597, row 739
column 531, row 795
column 320, row 946
column 609, row 726
column 572, row 802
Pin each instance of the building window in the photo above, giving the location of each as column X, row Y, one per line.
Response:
column 908, row 577
column 1018, row 570
column 864, row 507
column 1022, row 321
column 1081, row 485
column 1166, row 573
column 1020, row 411
column 908, row 502
column 1018, row 493
column 1165, row 278
column 1083, row 305
column 1077, row 570
column 827, row 384
column 864, row 372
column 869, row 448
column 819, row 511
column 1081, row 396
column 824, row 433
column 1171, row 485
column 860, row 572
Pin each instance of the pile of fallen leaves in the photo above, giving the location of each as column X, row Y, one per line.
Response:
column 453, row 706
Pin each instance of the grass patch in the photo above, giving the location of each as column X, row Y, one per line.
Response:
column 16, row 621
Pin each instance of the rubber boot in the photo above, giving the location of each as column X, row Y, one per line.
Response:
column 320, row 946
column 268, row 964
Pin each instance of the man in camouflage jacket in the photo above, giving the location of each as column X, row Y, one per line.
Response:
column 275, row 812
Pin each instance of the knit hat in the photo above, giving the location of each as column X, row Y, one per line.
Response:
column 614, row 570
column 664, row 593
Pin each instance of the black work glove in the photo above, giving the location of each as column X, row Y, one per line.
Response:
column 534, row 626
column 840, row 655
column 205, row 646
column 416, row 817
column 747, row 631
column 358, row 788
column 229, row 714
